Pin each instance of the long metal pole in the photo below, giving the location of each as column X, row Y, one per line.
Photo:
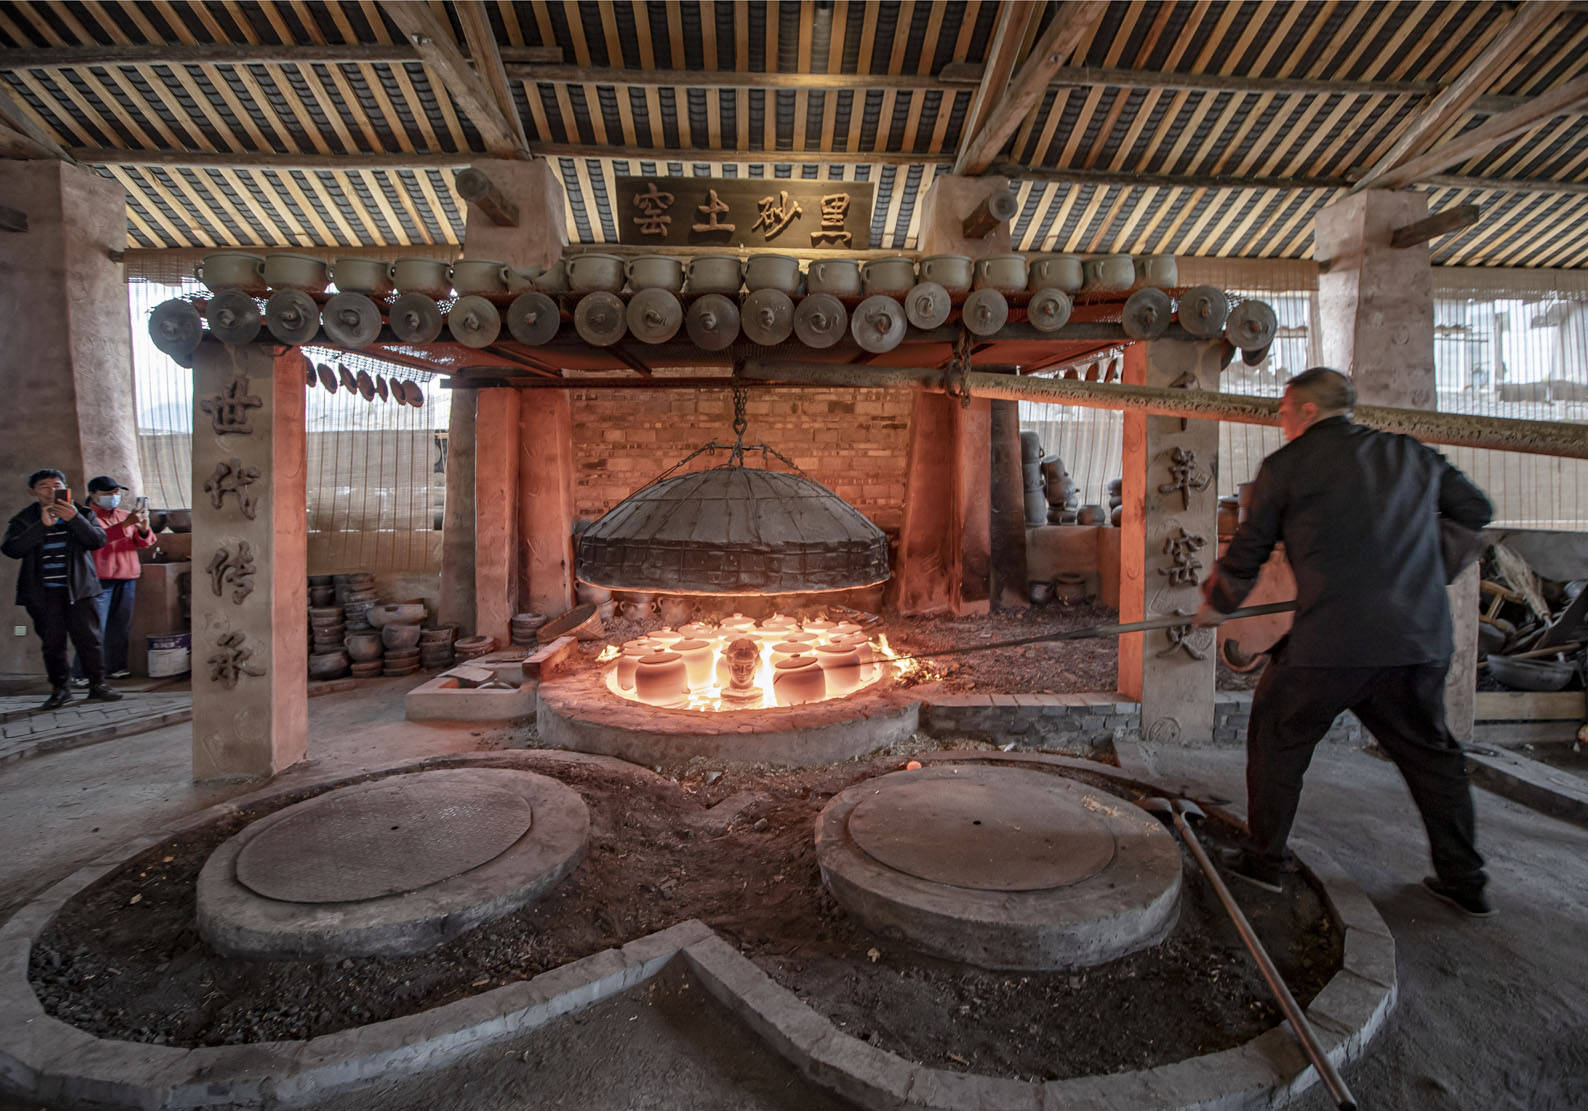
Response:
column 1554, row 438
column 1308, row 1037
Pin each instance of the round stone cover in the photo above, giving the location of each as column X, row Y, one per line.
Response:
column 382, row 839
column 1022, row 833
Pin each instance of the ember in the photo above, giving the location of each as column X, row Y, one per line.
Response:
column 739, row 664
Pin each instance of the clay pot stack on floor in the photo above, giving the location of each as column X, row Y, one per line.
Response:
column 472, row 648
column 435, row 647
column 399, row 626
column 524, row 628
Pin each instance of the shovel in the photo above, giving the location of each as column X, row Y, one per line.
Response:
column 1177, row 812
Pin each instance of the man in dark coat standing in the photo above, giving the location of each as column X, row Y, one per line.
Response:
column 55, row 541
column 1359, row 512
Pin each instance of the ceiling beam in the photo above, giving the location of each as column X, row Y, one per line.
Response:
column 1072, row 23
column 1561, row 100
column 242, row 54
column 488, row 62
column 20, row 136
column 1435, row 225
column 1525, row 28
column 1165, row 181
column 449, row 70
column 1008, row 33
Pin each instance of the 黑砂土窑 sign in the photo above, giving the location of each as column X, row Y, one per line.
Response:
column 744, row 212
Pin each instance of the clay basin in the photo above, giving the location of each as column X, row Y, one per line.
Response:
column 404, row 613
column 231, row 270
column 400, row 638
column 284, row 270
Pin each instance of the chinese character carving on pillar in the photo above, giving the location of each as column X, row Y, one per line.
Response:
column 835, row 210
column 237, row 570
column 774, row 214
column 712, row 210
column 229, row 409
column 1184, row 476
column 229, row 662
column 233, row 478
column 653, row 204
column 1181, row 550
column 1187, row 638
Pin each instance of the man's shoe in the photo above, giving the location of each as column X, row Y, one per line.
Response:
column 102, row 693
column 122, row 674
column 1470, row 903
column 60, row 696
column 1256, row 871
column 80, row 683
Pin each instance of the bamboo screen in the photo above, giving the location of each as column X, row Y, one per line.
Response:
column 376, row 469
column 1507, row 343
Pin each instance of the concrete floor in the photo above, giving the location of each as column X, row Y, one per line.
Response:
column 1492, row 1013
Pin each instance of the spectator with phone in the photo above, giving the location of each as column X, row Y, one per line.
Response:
column 126, row 531
column 55, row 540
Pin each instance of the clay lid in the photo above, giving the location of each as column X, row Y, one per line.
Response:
column 660, row 658
column 690, row 645
column 795, row 662
column 790, row 648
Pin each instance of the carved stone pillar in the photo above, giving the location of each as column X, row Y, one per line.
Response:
column 1169, row 541
column 250, row 561
column 1376, row 308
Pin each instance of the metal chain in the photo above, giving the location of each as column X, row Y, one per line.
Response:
column 954, row 375
column 741, row 396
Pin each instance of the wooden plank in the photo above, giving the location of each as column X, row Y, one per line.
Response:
column 1526, row 26
column 1437, row 224
column 1569, row 98
column 204, row 54
column 445, row 62
column 1013, row 18
column 1530, row 705
column 25, row 129
column 486, row 53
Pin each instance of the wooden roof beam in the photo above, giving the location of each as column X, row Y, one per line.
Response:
column 243, row 54
column 1526, row 27
column 449, row 69
column 1562, row 99
column 355, row 160
column 20, row 136
column 1008, row 33
column 1072, row 24
column 488, row 62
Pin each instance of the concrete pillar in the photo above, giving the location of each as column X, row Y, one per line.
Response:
column 945, row 544
column 68, row 370
column 250, row 563
column 496, row 508
column 1169, row 540
column 1008, row 503
column 1376, row 309
column 456, row 598
column 523, row 452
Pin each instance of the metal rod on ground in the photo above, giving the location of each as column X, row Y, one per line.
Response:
column 1305, row 1034
column 1533, row 437
column 1102, row 631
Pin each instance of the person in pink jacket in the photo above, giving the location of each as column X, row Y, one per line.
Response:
column 126, row 530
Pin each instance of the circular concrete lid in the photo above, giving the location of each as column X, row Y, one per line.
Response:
column 991, row 832
column 386, row 839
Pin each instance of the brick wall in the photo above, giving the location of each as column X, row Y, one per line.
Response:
column 854, row 442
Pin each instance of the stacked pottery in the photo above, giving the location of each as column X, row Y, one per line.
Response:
column 327, row 632
column 435, row 647
column 472, row 648
column 399, row 633
column 327, row 665
column 1031, row 475
column 524, row 628
column 321, row 592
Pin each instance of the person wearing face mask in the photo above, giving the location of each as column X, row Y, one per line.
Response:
column 126, row 531
column 57, row 584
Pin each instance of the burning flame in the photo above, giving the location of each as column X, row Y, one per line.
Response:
column 608, row 654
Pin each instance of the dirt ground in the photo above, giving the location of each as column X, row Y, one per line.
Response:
column 735, row 850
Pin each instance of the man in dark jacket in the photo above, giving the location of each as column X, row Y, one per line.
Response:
column 55, row 541
column 1358, row 511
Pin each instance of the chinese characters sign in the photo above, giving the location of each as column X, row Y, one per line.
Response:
column 744, row 212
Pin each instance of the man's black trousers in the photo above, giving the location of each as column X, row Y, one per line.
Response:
column 58, row 621
column 1404, row 709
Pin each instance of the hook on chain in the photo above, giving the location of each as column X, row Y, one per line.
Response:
column 954, row 375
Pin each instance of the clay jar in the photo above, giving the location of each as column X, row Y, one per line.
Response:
column 697, row 656
column 838, row 276
column 1110, row 272
column 820, row 626
column 479, row 275
column 714, row 274
column 422, row 275
column 1005, row 273
column 629, row 660
column 863, row 652
column 798, row 679
column 400, row 638
column 775, row 628
column 952, row 272
column 655, row 272
column 665, row 637
column 553, row 279
column 594, row 272
column 231, row 270
column 840, row 665
column 661, row 679
column 327, row 665
column 785, row 649
column 284, row 270
column 779, row 272
column 697, row 630
column 363, row 647
column 894, row 276
column 738, row 623
column 1057, row 272
column 362, row 275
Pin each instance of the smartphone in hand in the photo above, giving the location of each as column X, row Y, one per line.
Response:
column 63, row 495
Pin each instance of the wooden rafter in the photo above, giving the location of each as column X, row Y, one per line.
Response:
column 228, row 54
column 438, row 50
column 20, row 137
column 1526, row 26
column 487, row 56
column 1072, row 24
column 1009, row 32
column 1563, row 99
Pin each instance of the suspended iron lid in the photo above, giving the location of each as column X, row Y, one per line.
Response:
column 733, row 530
